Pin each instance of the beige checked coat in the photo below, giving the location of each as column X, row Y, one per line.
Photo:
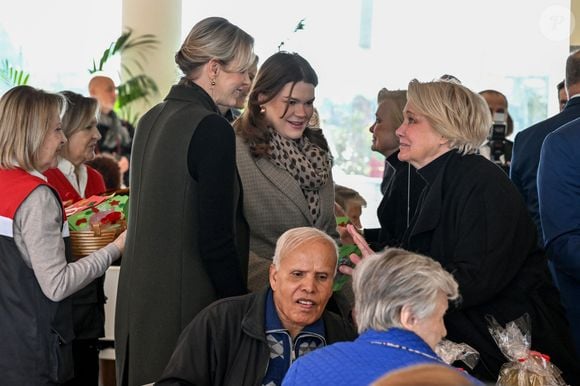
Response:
column 274, row 203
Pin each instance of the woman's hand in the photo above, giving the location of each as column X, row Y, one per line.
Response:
column 120, row 241
column 361, row 243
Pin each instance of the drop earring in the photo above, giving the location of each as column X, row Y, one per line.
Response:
column 213, row 82
column 262, row 109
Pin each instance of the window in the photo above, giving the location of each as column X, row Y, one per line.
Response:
column 517, row 47
column 56, row 41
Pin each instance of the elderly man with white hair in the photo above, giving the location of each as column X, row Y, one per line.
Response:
column 400, row 300
column 253, row 339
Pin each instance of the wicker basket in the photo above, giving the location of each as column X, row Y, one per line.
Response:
column 84, row 243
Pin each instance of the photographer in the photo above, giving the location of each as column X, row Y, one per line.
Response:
column 498, row 148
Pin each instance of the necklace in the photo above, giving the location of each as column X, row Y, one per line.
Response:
column 405, row 348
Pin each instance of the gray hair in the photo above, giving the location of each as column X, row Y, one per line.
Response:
column 215, row 38
column 455, row 112
column 296, row 237
column 385, row 282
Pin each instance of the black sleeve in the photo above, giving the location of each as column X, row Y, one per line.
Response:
column 212, row 163
column 192, row 360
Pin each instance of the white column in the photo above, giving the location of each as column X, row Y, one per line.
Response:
column 162, row 19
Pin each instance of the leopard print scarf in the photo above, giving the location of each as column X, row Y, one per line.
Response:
column 306, row 162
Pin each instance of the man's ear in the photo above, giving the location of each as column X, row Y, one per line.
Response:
column 273, row 276
column 408, row 319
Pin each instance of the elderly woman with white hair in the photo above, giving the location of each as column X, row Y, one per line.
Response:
column 473, row 221
column 400, row 299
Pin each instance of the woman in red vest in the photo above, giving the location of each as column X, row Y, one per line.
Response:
column 73, row 180
column 37, row 276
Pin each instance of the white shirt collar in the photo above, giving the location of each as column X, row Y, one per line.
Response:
column 68, row 169
column 38, row 174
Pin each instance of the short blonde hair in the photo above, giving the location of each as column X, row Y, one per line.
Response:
column 385, row 282
column 26, row 116
column 457, row 113
column 215, row 38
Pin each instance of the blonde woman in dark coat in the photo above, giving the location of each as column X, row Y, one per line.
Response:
column 186, row 244
column 473, row 221
column 284, row 167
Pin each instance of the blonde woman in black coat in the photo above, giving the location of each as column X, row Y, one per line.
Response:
column 473, row 221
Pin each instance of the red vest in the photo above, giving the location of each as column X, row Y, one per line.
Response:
column 35, row 332
column 95, row 184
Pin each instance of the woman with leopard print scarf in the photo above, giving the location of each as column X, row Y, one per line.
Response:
column 284, row 165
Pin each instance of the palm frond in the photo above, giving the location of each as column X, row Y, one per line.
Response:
column 124, row 43
column 12, row 76
column 137, row 87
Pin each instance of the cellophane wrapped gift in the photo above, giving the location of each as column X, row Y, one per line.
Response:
column 525, row 367
column 452, row 352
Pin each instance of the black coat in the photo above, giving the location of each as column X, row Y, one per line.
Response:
column 473, row 221
column 217, row 350
column 402, row 191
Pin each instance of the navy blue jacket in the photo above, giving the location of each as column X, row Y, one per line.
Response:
column 559, row 197
column 526, row 156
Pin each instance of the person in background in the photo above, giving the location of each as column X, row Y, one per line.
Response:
column 402, row 185
column 472, row 220
column 559, row 198
column 38, row 275
column 286, row 176
column 73, row 180
column 187, row 243
column 231, row 113
column 498, row 150
column 116, row 133
column 400, row 300
column 562, row 95
column 264, row 332
column 528, row 143
column 351, row 204
column 109, row 169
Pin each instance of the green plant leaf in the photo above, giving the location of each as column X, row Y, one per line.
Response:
column 11, row 77
column 124, row 43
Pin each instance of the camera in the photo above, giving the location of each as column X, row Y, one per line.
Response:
column 499, row 147
column 498, row 128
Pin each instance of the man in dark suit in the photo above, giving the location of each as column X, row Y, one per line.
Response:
column 528, row 143
column 559, row 198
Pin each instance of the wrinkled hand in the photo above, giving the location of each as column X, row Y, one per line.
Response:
column 361, row 243
column 120, row 241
